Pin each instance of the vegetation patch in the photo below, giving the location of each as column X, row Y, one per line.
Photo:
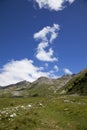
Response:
column 55, row 113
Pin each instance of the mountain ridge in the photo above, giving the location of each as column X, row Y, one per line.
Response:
column 43, row 86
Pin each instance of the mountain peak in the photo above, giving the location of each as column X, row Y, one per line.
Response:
column 23, row 83
column 44, row 80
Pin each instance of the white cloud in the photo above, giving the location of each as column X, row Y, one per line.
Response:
column 19, row 70
column 44, row 55
column 56, row 5
column 67, row 71
column 71, row 1
column 42, row 45
column 56, row 68
column 46, row 35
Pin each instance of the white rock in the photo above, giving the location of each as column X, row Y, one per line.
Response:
column 13, row 115
column 29, row 105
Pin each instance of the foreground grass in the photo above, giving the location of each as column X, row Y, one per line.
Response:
column 38, row 113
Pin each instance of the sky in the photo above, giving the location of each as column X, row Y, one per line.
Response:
column 42, row 38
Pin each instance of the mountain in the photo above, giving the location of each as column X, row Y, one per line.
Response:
column 43, row 86
column 77, row 85
column 14, row 90
column 46, row 86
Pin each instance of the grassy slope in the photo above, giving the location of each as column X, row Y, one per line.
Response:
column 78, row 84
column 56, row 113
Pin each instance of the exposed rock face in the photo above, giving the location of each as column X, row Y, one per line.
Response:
column 63, row 80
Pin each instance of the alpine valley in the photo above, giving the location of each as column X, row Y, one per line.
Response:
column 45, row 104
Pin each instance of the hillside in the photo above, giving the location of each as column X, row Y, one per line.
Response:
column 41, row 87
column 14, row 90
column 78, row 84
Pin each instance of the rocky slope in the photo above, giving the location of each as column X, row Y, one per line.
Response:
column 41, row 87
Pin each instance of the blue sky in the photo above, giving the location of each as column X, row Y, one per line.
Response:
column 39, row 38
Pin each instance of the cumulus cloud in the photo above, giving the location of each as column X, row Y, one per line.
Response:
column 44, row 55
column 46, row 35
column 19, row 70
column 56, row 5
column 67, row 71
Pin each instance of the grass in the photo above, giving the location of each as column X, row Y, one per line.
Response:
column 38, row 113
column 78, row 84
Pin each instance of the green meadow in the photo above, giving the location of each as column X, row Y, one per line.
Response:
column 44, row 113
